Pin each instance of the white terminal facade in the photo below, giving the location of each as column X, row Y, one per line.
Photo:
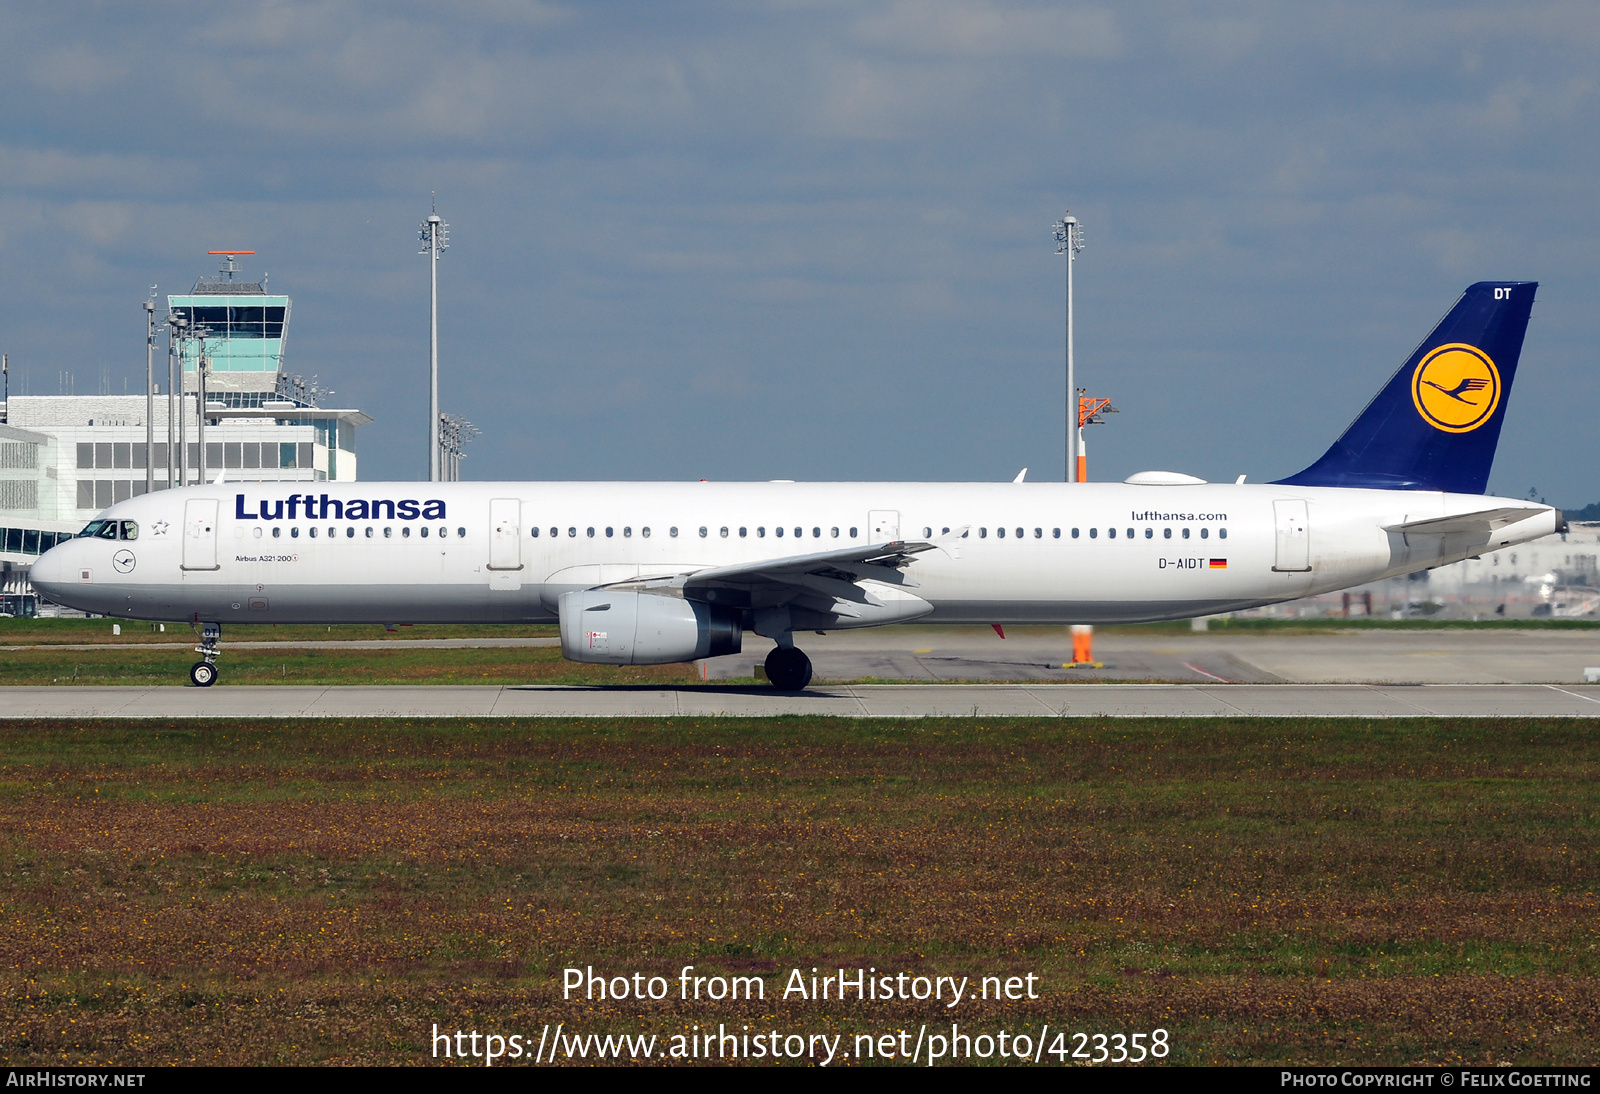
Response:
column 63, row 458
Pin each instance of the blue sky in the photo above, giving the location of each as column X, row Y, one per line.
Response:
column 812, row 240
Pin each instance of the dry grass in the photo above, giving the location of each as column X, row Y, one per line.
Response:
column 293, row 892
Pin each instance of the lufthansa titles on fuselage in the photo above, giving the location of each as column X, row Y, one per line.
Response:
column 1151, row 514
column 312, row 507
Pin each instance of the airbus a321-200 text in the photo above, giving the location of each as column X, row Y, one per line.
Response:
column 648, row 573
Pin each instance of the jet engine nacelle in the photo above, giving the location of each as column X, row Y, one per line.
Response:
column 602, row 627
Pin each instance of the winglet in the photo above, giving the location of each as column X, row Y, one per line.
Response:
column 1021, row 475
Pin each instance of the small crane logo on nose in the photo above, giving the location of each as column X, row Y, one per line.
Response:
column 123, row 562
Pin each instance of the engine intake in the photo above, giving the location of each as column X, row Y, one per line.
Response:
column 601, row 627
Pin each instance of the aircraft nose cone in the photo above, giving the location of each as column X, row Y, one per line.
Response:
column 50, row 572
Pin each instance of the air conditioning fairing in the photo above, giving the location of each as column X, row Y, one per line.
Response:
column 602, row 627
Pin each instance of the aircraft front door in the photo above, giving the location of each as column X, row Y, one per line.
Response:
column 885, row 525
column 1294, row 537
column 505, row 542
column 505, row 534
column 200, row 534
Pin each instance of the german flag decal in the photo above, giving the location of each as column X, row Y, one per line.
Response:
column 1219, row 564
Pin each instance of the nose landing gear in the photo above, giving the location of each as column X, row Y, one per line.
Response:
column 203, row 673
column 788, row 668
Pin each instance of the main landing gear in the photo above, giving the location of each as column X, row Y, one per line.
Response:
column 203, row 673
column 788, row 669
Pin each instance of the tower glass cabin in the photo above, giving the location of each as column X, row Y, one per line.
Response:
column 244, row 328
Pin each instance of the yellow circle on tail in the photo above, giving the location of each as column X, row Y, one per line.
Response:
column 1456, row 388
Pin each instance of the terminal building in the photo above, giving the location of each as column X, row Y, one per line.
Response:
column 63, row 458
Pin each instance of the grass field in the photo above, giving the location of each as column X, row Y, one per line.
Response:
column 311, row 665
column 1266, row 891
column 30, row 632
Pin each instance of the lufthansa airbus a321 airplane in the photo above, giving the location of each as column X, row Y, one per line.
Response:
column 652, row 572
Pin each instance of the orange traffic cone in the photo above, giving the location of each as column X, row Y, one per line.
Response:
column 1082, row 649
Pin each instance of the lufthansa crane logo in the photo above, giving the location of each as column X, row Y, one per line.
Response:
column 1456, row 388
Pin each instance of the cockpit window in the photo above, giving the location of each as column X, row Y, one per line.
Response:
column 93, row 528
column 108, row 530
column 130, row 529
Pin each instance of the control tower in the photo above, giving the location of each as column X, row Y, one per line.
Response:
column 245, row 328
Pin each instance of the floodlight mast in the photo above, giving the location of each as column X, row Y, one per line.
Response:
column 177, row 327
column 1069, row 241
column 435, row 236
column 150, row 393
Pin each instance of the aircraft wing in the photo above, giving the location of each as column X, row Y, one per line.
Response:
column 1486, row 520
column 879, row 561
column 829, row 585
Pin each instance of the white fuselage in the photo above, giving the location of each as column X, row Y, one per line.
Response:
column 467, row 552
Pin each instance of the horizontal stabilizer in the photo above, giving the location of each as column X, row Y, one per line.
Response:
column 1486, row 520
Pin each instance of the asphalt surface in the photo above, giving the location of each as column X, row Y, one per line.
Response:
column 1444, row 656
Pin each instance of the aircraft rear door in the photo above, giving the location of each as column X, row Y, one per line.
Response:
column 200, row 534
column 1294, row 537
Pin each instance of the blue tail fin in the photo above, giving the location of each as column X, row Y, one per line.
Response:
column 1435, row 424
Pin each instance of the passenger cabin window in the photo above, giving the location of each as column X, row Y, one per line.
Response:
column 645, row 532
column 723, row 531
column 1166, row 533
column 1149, row 533
column 627, row 533
column 1019, row 533
column 1111, row 533
column 1222, row 533
column 1000, row 533
column 673, row 531
column 1055, row 533
column 461, row 533
column 778, row 532
column 1186, row 533
column 1205, row 533
column 702, row 531
column 761, row 533
column 835, row 534
column 1094, row 533
column 983, row 533
column 534, row 530
column 853, row 533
